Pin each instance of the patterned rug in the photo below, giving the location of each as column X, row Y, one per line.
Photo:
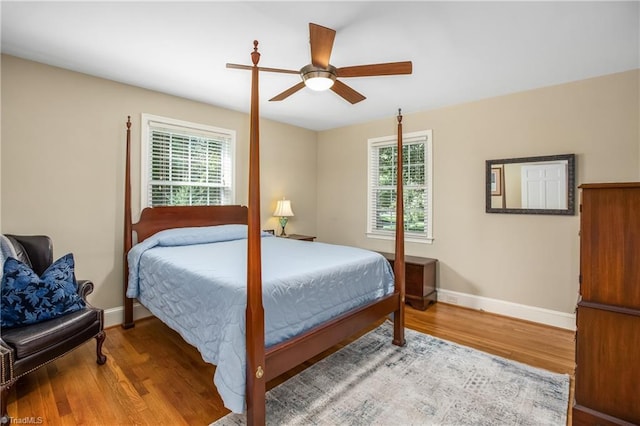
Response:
column 428, row 382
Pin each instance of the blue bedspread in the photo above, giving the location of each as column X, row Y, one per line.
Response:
column 194, row 280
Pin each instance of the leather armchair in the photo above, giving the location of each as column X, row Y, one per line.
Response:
column 25, row 349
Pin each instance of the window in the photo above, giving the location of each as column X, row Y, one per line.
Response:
column 186, row 164
column 417, row 181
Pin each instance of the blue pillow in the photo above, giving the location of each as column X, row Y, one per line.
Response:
column 28, row 298
column 202, row 235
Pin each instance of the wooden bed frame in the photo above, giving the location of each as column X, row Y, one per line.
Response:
column 264, row 364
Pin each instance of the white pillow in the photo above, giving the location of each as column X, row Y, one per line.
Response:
column 6, row 250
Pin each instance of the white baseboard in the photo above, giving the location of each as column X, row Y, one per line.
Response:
column 510, row 309
column 115, row 316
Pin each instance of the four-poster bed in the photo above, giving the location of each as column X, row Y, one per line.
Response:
column 264, row 360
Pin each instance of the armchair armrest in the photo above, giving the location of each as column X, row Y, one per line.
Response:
column 6, row 362
column 85, row 288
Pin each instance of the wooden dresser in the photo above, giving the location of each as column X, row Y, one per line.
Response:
column 607, row 386
column 420, row 280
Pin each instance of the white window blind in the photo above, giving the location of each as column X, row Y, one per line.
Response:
column 417, row 177
column 186, row 163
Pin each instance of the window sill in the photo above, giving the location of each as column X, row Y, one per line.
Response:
column 410, row 239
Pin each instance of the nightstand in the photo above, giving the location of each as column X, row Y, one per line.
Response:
column 298, row 237
column 420, row 280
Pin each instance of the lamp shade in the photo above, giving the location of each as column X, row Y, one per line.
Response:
column 283, row 208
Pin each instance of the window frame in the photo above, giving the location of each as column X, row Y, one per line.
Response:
column 423, row 136
column 192, row 128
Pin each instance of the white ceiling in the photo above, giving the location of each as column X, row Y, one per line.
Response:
column 461, row 51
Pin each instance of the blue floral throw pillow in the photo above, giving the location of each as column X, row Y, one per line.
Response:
column 28, row 298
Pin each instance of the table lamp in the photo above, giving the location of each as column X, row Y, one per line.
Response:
column 283, row 211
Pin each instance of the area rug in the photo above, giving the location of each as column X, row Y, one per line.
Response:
column 427, row 382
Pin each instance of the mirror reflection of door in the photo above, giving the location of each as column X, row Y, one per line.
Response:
column 544, row 186
column 532, row 185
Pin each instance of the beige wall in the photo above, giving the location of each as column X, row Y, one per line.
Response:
column 62, row 174
column 63, row 153
column 525, row 259
column 0, row 144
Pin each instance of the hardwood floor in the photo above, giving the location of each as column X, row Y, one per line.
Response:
column 152, row 377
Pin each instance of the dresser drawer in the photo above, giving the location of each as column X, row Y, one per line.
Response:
column 608, row 361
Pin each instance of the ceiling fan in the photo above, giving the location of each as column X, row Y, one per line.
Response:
column 321, row 75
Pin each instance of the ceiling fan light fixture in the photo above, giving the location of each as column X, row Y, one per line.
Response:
column 318, row 79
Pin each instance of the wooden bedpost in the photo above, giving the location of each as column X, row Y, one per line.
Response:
column 398, row 264
column 256, row 384
column 128, row 238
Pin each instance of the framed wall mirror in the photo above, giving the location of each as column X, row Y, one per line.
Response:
column 531, row 185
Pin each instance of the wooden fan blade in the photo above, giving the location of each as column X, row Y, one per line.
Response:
column 347, row 92
column 239, row 67
column 290, row 91
column 321, row 40
column 390, row 68
column 280, row 70
column 248, row 67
